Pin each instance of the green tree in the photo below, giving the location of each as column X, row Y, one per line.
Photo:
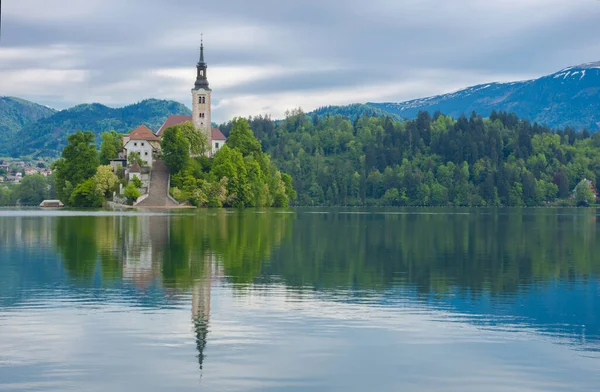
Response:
column 241, row 138
column 32, row 190
column 112, row 144
column 131, row 193
column 584, row 194
column 516, row 195
column 439, row 195
column 78, row 164
column 175, row 149
column 86, row 195
column 229, row 163
column 197, row 139
column 106, row 180
column 136, row 182
column 391, row 197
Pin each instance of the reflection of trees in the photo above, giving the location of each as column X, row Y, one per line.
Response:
column 171, row 248
column 495, row 252
column 76, row 241
column 183, row 251
column 241, row 242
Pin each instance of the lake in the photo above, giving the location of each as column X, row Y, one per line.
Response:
column 300, row 300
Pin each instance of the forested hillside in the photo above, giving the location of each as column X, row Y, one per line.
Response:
column 354, row 111
column 48, row 136
column 471, row 161
column 16, row 113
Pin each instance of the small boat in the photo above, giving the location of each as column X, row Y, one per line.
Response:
column 52, row 204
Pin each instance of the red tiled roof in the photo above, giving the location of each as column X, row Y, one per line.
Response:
column 217, row 134
column 173, row 120
column 143, row 133
column 135, row 168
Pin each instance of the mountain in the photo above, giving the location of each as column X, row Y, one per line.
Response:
column 570, row 97
column 352, row 112
column 16, row 113
column 48, row 136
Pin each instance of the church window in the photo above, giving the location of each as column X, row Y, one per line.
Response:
column 202, row 73
column 202, row 99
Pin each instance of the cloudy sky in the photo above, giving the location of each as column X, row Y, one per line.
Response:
column 267, row 56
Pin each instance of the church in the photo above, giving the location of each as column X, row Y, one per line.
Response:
column 146, row 143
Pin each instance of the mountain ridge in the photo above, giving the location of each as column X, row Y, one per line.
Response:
column 15, row 113
column 569, row 97
column 47, row 136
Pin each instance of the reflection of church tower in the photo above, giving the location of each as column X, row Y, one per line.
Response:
column 144, row 240
column 201, row 114
column 201, row 306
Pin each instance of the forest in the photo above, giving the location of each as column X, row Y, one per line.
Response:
column 369, row 161
column 431, row 160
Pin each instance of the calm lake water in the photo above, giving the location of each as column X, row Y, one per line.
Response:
column 325, row 300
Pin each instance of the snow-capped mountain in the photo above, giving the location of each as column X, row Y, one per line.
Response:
column 570, row 97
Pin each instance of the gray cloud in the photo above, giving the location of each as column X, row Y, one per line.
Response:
column 275, row 55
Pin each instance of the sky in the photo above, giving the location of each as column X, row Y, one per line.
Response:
column 270, row 56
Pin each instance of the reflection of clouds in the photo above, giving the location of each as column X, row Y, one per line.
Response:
column 270, row 337
column 96, row 348
column 308, row 340
column 392, row 311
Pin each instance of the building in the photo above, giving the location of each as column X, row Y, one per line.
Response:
column 201, row 109
column 142, row 141
column 135, row 171
column 52, row 204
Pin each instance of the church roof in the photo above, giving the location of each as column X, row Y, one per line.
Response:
column 173, row 120
column 217, row 134
column 143, row 133
column 135, row 168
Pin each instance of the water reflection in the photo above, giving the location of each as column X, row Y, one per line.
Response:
column 531, row 272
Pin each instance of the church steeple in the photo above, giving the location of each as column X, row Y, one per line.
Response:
column 201, row 79
column 201, row 51
column 201, row 114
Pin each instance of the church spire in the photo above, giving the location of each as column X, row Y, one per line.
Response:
column 201, row 79
column 201, row 49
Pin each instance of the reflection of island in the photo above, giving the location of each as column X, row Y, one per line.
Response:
column 156, row 251
column 537, row 269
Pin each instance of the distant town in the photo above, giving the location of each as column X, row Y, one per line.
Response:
column 14, row 170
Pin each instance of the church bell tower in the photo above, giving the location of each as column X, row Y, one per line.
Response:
column 201, row 117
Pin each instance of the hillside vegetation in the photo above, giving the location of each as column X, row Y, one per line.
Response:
column 16, row 113
column 48, row 136
column 471, row 161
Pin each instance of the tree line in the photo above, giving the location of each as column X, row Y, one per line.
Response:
column 431, row 160
column 239, row 175
column 31, row 191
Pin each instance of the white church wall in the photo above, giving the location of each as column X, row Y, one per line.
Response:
column 217, row 145
column 143, row 147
